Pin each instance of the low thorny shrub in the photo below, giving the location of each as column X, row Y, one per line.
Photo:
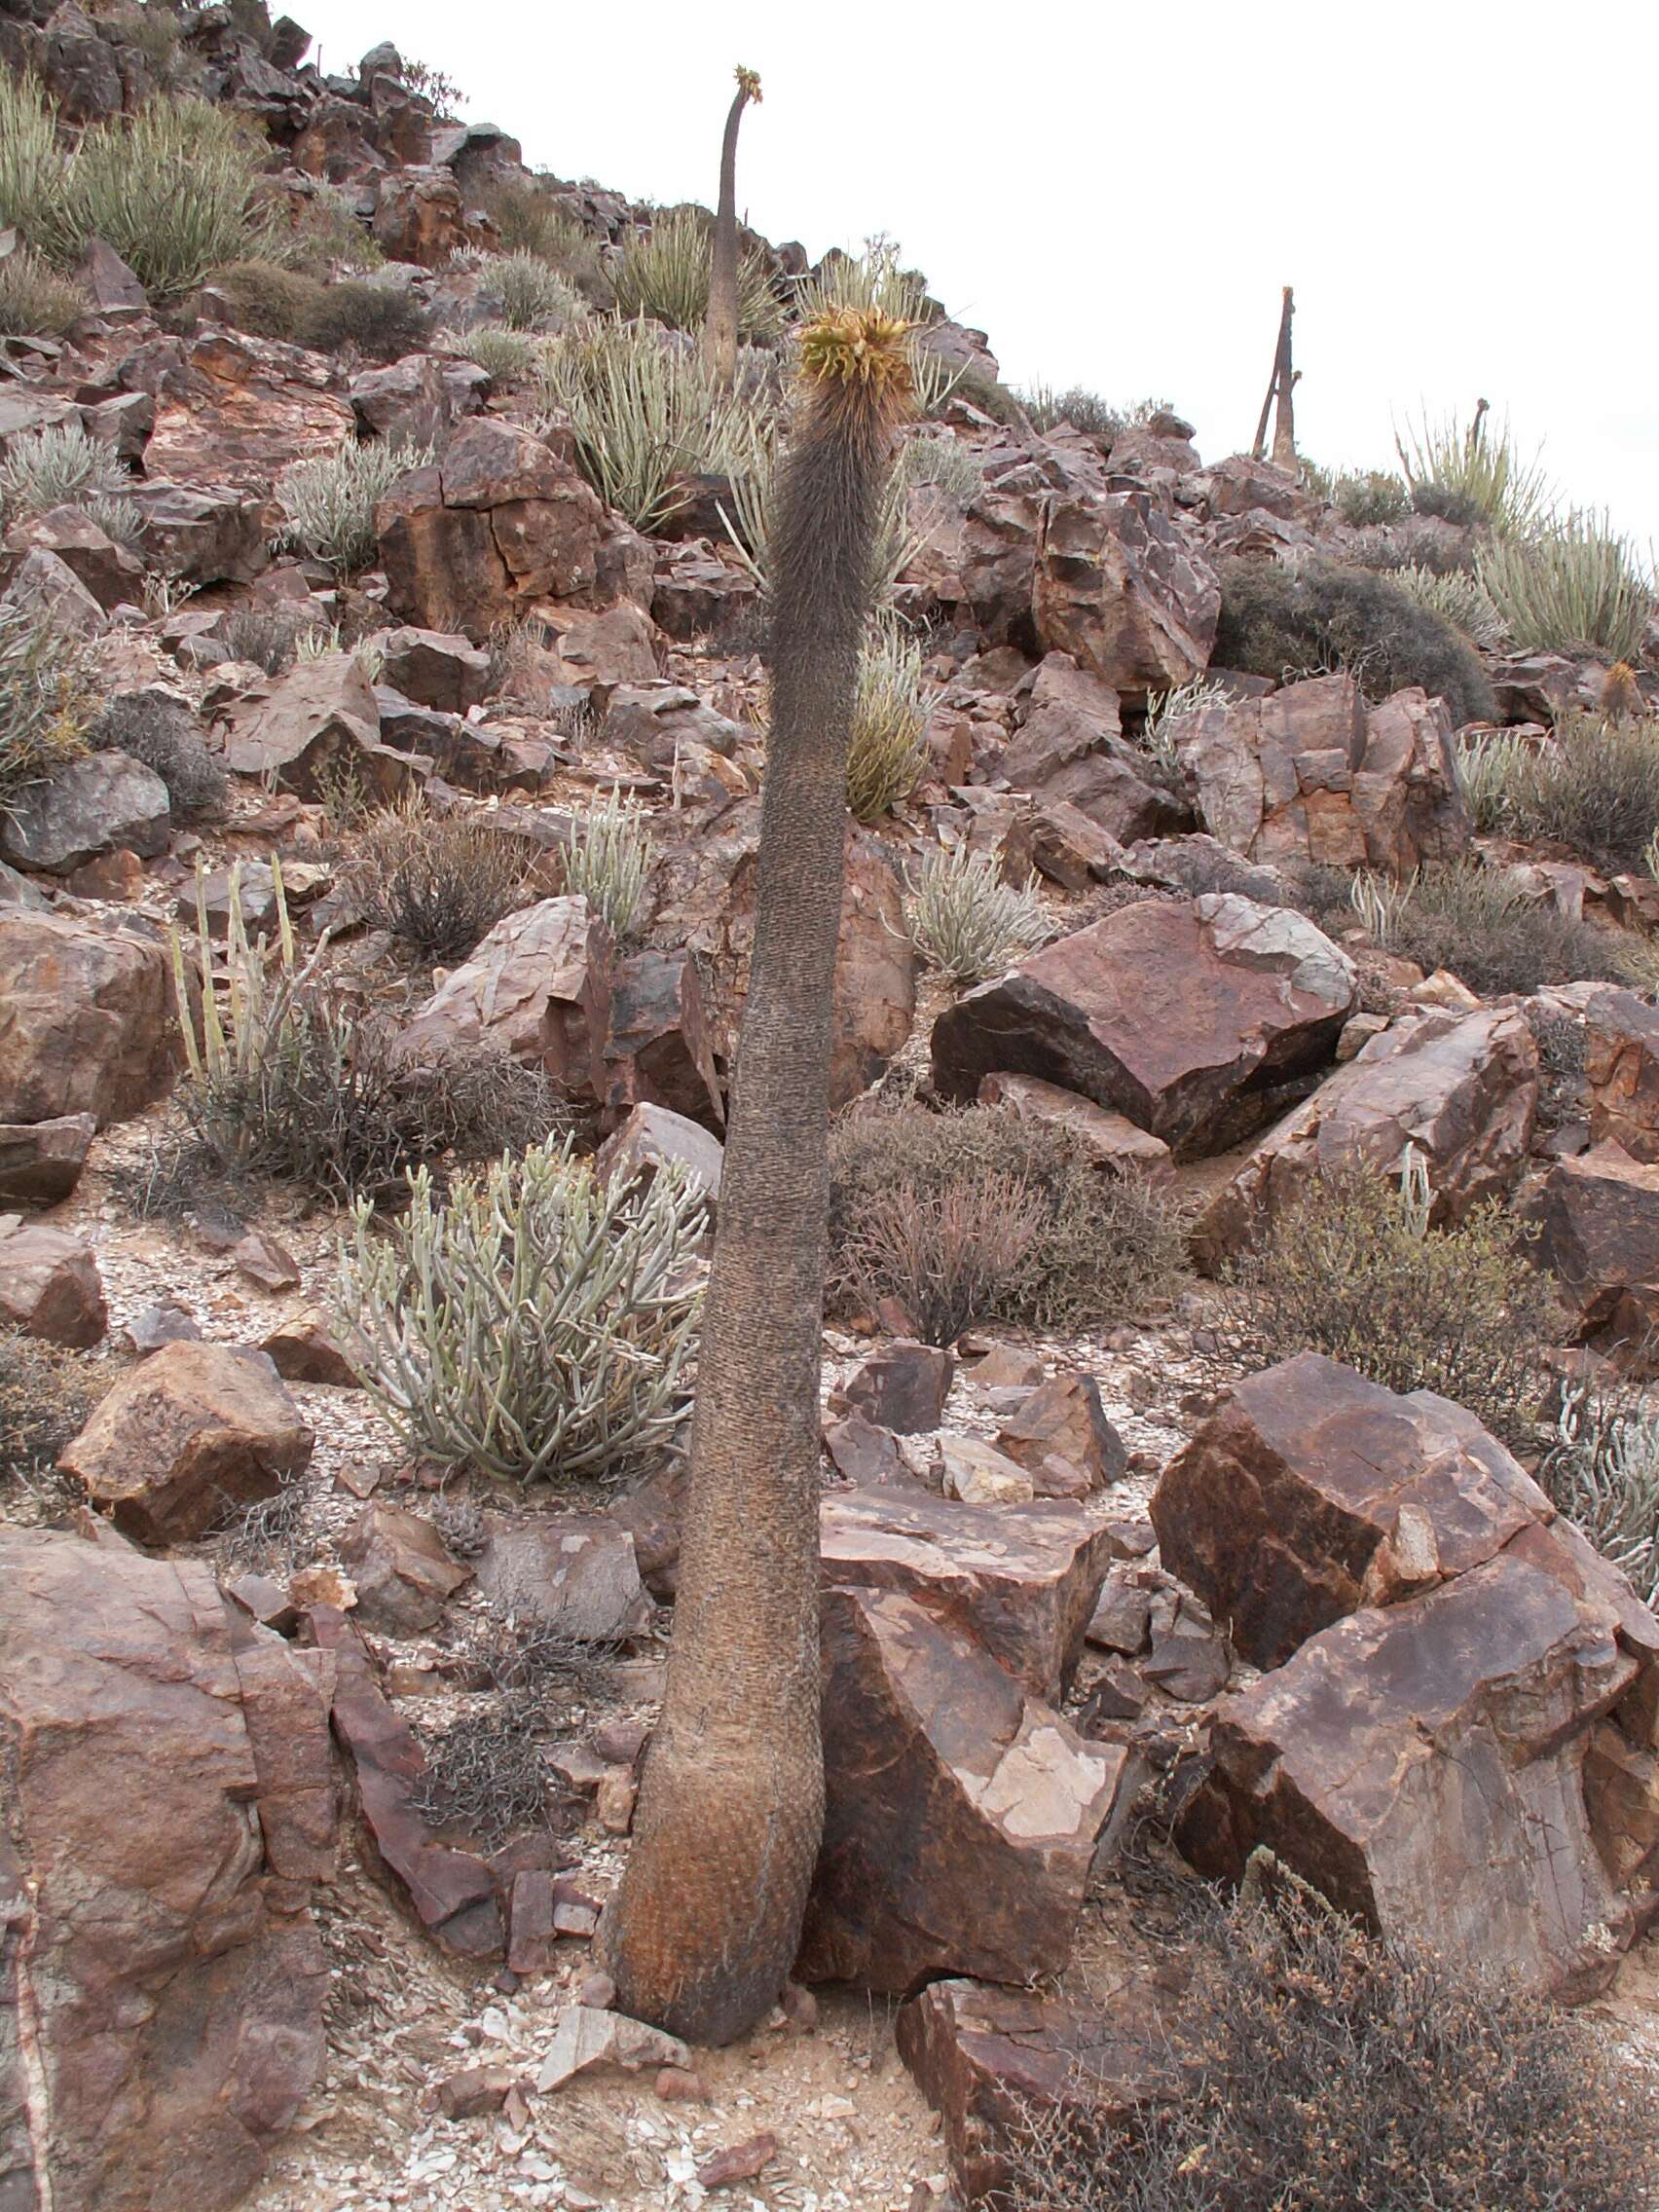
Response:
column 162, row 733
column 47, row 1395
column 975, row 1215
column 437, row 883
column 1353, row 1268
column 35, row 301
column 1322, row 2069
column 1596, row 790
column 1282, row 618
column 1483, row 924
column 382, row 320
column 539, row 1324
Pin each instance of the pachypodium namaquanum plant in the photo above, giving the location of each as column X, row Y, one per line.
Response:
column 706, row 1922
column 719, row 335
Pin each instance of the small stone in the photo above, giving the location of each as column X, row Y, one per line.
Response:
column 978, row 1475
column 587, row 2039
column 799, row 2006
column 1120, row 1619
column 743, row 2161
column 597, row 1991
column 473, row 2091
column 679, row 2085
column 614, row 1802
column 620, row 1742
column 265, row 1263
column 323, row 1586
column 168, row 1323
column 1191, row 1669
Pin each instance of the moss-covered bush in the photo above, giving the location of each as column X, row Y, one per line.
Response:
column 976, row 1215
column 383, row 321
column 1279, row 620
column 1353, row 1269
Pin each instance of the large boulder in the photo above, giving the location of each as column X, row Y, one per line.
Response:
column 1621, row 1066
column 436, row 670
column 183, row 1440
column 1313, row 1492
column 203, row 536
column 537, row 987
column 88, row 1023
column 82, row 809
column 166, row 1806
column 1459, row 1090
column 1189, row 1017
column 1069, row 751
column 418, row 217
column 1022, row 1580
column 503, row 521
column 1596, row 1219
column 963, row 1818
column 316, row 725
column 49, row 1283
column 705, row 903
column 1122, row 587
column 240, row 410
column 1311, row 773
column 658, row 1051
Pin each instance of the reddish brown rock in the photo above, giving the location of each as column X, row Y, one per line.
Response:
column 739, row 2162
column 403, row 1572
column 182, row 1441
column 537, row 987
column 1063, row 1418
column 575, row 1573
column 1461, row 1090
column 1021, row 1580
column 317, row 723
column 40, row 1162
column 1423, row 1764
column 302, row 1347
column 653, row 1137
column 658, row 1050
column 1069, row 752
column 863, row 1453
column 164, row 1959
column 987, row 2059
column 1186, row 1017
column 1120, row 587
column 963, row 1818
column 50, row 1285
column 1112, row 1140
column 1597, row 1224
column 1313, row 1492
column 902, row 1389
column 1621, row 1066
column 110, row 573
column 239, row 410
column 54, row 826
column 418, row 217
column 450, row 1889
column 86, row 1018
column 436, row 670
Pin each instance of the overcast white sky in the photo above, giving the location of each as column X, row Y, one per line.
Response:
column 1463, row 193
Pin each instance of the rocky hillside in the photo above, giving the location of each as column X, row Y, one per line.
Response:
column 1239, row 1451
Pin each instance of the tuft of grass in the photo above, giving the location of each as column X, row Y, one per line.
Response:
column 528, row 292
column 1603, row 1470
column 1472, row 474
column 32, row 168
column 174, row 189
column 976, row 1215
column 938, row 459
column 327, row 235
column 664, row 273
column 60, row 467
column 889, row 746
column 1458, row 598
column 1482, row 924
column 35, row 301
column 1352, row 1269
column 966, row 921
column 1575, row 587
column 1595, row 789
column 608, row 861
column 436, row 883
column 330, row 503
column 1283, row 620
column 1322, row 2069
column 47, row 695
column 506, row 356
column 1046, row 408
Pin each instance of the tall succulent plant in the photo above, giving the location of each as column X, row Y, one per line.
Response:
column 719, row 336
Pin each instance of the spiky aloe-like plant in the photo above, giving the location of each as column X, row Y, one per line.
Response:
column 706, row 1922
column 720, row 332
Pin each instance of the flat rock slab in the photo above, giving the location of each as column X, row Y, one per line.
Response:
column 1187, row 1017
column 575, row 1574
column 1314, row 1491
column 963, row 1818
column 182, row 1441
column 1023, row 1580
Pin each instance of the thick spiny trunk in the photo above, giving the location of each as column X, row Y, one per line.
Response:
column 707, row 1920
column 719, row 331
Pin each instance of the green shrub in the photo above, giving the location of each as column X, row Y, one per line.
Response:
column 32, row 183
column 538, row 1326
column 1352, row 1268
column 1282, row 621
column 291, row 1078
column 1491, row 765
column 966, row 921
column 506, row 356
column 330, row 503
column 976, row 1216
column 1481, row 923
column 889, row 746
column 1371, row 498
column 1458, row 598
column 608, row 861
column 1595, row 789
column 383, row 321
column 47, row 695
column 1472, row 475
column 1046, row 409
column 60, row 467
column 1603, row 1470
column 35, row 301
column 161, row 732
column 436, row 882
column 530, row 292
column 1325, row 2071
column 1576, row 587
column 173, row 190
column 664, row 273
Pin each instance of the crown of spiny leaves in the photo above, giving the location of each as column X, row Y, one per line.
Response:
column 748, row 83
column 858, row 346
